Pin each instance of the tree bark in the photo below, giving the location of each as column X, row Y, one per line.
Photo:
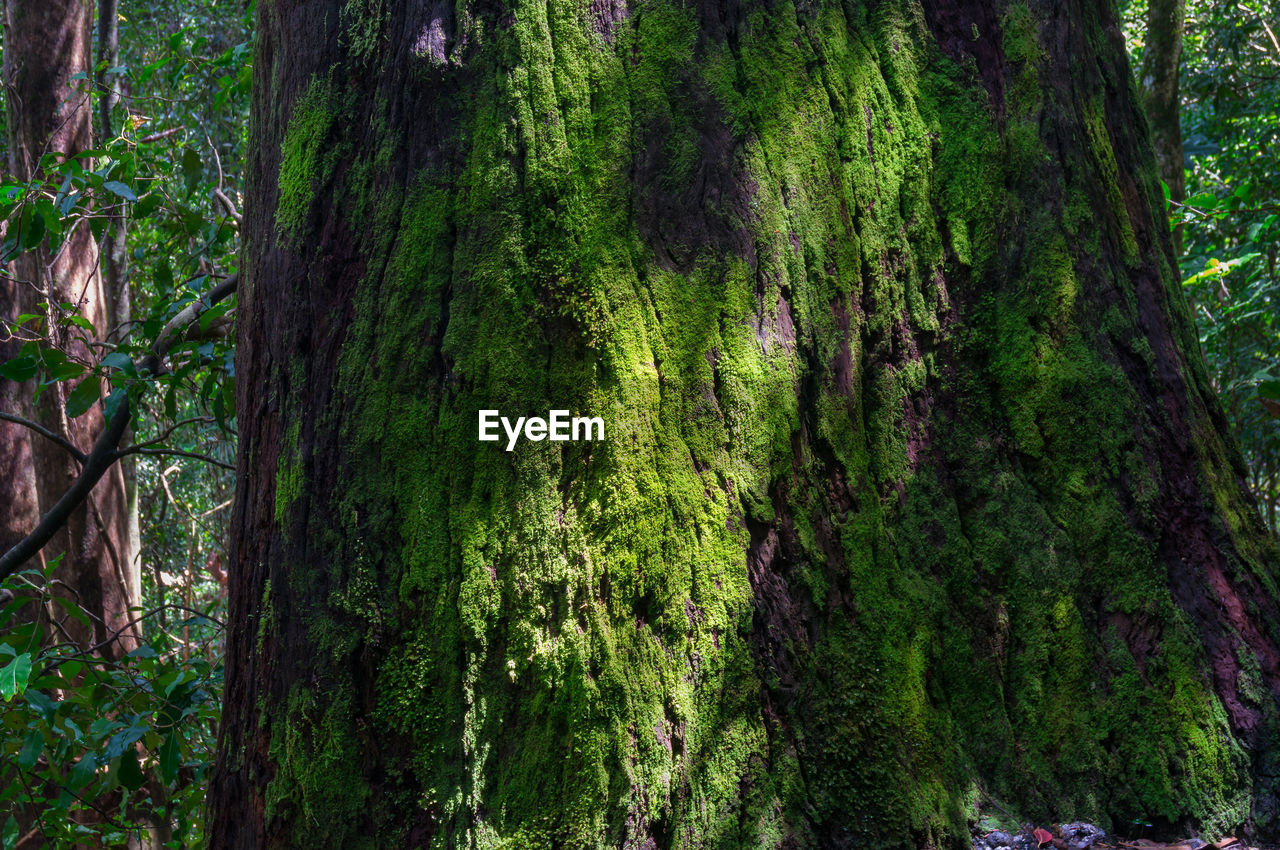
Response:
column 48, row 43
column 1161, row 66
column 17, row 476
column 115, row 272
column 913, row 491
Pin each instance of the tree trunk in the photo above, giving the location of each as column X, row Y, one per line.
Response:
column 1161, row 65
column 47, row 44
column 17, row 477
column 20, row 511
column 115, row 258
column 913, row 490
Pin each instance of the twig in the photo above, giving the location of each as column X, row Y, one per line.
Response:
column 155, row 137
column 1272, row 36
column 213, row 510
column 47, row 434
column 1266, row 208
column 134, row 450
column 88, row 652
column 231, row 208
column 166, row 435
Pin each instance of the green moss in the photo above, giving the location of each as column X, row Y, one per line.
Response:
column 307, row 157
column 289, row 476
column 876, row 341
column 365, row 24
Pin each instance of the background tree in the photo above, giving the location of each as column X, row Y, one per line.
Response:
column 47, row 45
column 1229, row 84
column 914, row 494
column 1159, row 74
column 101, row 747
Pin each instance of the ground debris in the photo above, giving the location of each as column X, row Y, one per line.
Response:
column 1085, row 836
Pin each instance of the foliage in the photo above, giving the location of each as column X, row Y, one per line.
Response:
column 101, row 750
column 1230, row 221
column 104, row 749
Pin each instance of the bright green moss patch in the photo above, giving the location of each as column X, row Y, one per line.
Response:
column 307, row 157
column 288, row 475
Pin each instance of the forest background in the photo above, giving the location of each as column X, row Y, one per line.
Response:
column 112, row 742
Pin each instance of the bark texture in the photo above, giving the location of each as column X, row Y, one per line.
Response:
column 1161, row 67
column 17, row 477
column 47, row 42
column 910, row 486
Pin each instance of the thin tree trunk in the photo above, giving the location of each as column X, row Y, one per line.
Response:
column 913, row 489
column 47, row 43
column 1161, row 66
column 19, row 510
column 115, row 275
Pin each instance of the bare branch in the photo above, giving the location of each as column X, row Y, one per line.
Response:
column 166, row 435
column 94, row 467
column 104, row 452
column 46, row 433
column 187, row 315
column 137, row 450
column 155, row 137
column 230, row 207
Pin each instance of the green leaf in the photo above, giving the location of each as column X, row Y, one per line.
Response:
column 120, row 360
column 208, row 317
column 32, row 226
column 31, row 749
column 9, row 838
column 163, row 275
column 115, row 187
column 130, row 771
column 76, row 613
column 19, row 369
column 103, row 726
column 170, row 758
column 84, row 396
column 83, row 772
column 125, row 738
column 112, row 403
column 14, row 676
column 42, row 704
column 192, row 169
column 80, row 322
column 68, row 203
column 64, row 370
column 147, row 205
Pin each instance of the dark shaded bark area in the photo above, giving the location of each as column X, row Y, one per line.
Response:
column 910, row 487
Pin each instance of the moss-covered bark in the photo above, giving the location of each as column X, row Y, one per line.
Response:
column 913, row 485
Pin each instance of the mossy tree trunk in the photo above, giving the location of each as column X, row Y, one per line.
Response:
column 913, row 483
